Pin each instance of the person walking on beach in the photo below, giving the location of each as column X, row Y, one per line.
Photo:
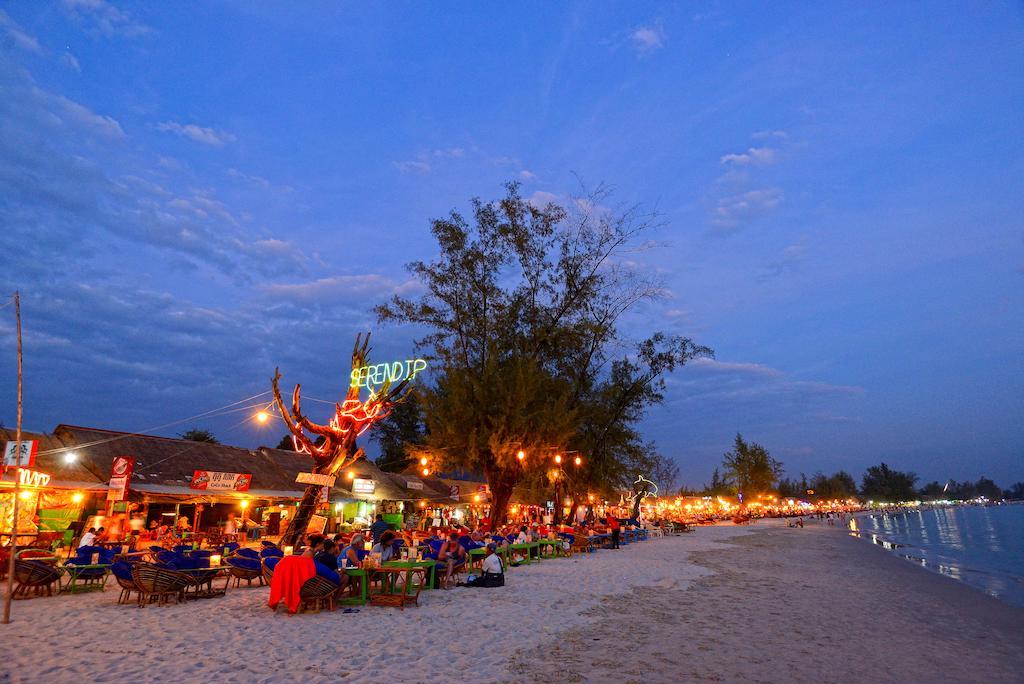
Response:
column 613, row 525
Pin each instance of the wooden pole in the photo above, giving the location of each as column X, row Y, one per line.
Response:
column 13, row 547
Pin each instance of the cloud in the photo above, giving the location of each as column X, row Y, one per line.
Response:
column 527, row 175
column 350, row 290
column 106, row 19
column 744, row 381
column 648, row 38
column 255, row 180
column 450, row 153
column 542, row 198
column 755, row 156
column 82, row 115
column 70, row 61
column 732, row 211
column 18, row 36
column 768, row 135
column 708, row 365
column 206, row 136
column 789, row 260
column 413, row 166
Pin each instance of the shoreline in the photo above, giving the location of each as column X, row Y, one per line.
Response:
column 790, row 605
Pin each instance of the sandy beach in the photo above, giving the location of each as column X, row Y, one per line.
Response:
column 762, row 603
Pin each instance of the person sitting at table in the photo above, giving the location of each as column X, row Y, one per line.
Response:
column 351, row 554
column 183, row 525
column 524, row 535
column 101, row 534
column 88, row 539
column 452, row 556
column 493, row 574
column 327, row 554
column 386, row 547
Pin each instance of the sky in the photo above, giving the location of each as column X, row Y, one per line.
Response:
column 192, row 196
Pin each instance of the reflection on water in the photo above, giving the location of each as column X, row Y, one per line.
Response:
column 982, row 546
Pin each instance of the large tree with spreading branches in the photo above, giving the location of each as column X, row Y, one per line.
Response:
column 522, row 311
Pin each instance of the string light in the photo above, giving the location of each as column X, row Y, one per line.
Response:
column 579, row 461
column 521, row 455
column 423, row 461
column 76, row 497
column 426, row 471
column 558, row 458
column 70, row 457
column 351, row 475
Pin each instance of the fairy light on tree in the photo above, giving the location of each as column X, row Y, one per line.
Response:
column 337, row 449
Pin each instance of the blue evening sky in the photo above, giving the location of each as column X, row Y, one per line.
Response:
column 191, row 194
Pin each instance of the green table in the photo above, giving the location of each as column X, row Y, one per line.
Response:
column 549, row 548
column 360, row 574
column 528, row 547
column 88, row 583
column 429, row 565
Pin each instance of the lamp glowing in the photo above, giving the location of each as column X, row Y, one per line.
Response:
column 351, row 475
column 77, row 497
column 558, row 458
column 262, row 417
column 244, row 504
column 426, row 471
column 579, row 461
column 25, row 495
column 521, row 455
column 70, row 457
column 476, row 497
column 423, row 461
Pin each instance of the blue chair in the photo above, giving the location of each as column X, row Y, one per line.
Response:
column 230, row 548
column 122, row 572
column 252, row 554
column 244, row 568
column 181, row 548
column 271, row 552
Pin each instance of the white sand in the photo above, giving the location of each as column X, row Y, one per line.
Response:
column 472, row 634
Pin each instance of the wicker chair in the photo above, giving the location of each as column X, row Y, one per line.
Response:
column 245, row 569
column 318, row 592
column 267, row 570
column 158, row 585
column 122, row 572
column 37, row 576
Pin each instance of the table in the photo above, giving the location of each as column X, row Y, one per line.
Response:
column 361, row 575
column 89, row 583
column 528, row 547
column 409, row 565
column 389, row 595
column 205, row 576
column 549, row 548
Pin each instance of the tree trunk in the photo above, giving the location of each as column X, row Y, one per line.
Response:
column 297, row 525
column 501, row 483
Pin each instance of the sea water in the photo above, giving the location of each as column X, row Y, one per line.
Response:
column 980, row 545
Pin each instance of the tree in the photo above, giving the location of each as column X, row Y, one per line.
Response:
column 286, row 444
column 1015, row 492
column 333, row 446
column 840, row 485
column 402, row 428
column 521, row 311
column 197, row 435
column 881, row 483
column 750, row 469
column 718, row 485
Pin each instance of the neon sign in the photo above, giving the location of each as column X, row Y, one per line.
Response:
column 33, row 478
column 380, row 373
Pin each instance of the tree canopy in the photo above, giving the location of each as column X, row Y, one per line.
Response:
column 521, row 314
column 396, row 433
column 881, row 483
column 199, row 435
column 749, row 468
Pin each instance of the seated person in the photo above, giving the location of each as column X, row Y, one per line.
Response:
column 386, row 547
column 328, row 554
column 524, row 535
column 351, row 555
column 452, row 556
column 493, row 570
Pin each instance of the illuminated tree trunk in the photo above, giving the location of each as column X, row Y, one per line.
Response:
column 501, row 483
column 337, row 450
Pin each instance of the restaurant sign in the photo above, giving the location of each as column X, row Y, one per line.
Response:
column 315, row 479
column 363, row 486
column 378, row 374
column 211, row 480
column 21, row 453
column 33, row 478
column 413, row 484
column 120, row 475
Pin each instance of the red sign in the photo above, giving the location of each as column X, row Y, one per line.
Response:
column 120, row 477
column 21, row 453
column 214, row 481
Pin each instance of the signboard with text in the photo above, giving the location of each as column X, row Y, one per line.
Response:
column 363, row 486
column 315, row 479
column 316, row 525
column 210, row 480
column 120, row 476
column 21, row 453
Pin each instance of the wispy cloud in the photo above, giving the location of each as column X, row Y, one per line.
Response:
column 648, row 38
column 17, row 35
column 70, row 61
column 789, row 260
column 449, row 153
column 754, row 156
column 72, row 112
column 413, row 166
column 732, row 211
column 768, row 135
column 200, row 134
column 342, row 289
column 106, row 19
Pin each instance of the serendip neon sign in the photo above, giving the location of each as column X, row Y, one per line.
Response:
column 380, row 373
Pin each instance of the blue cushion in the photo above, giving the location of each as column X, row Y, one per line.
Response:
column 181, row 548
column 122, row 570
column 271, row 552
column 156, row 549
column 248, row 553
column 244, row 563
column 272, row 561
column 231, row 547
column 327, row 573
